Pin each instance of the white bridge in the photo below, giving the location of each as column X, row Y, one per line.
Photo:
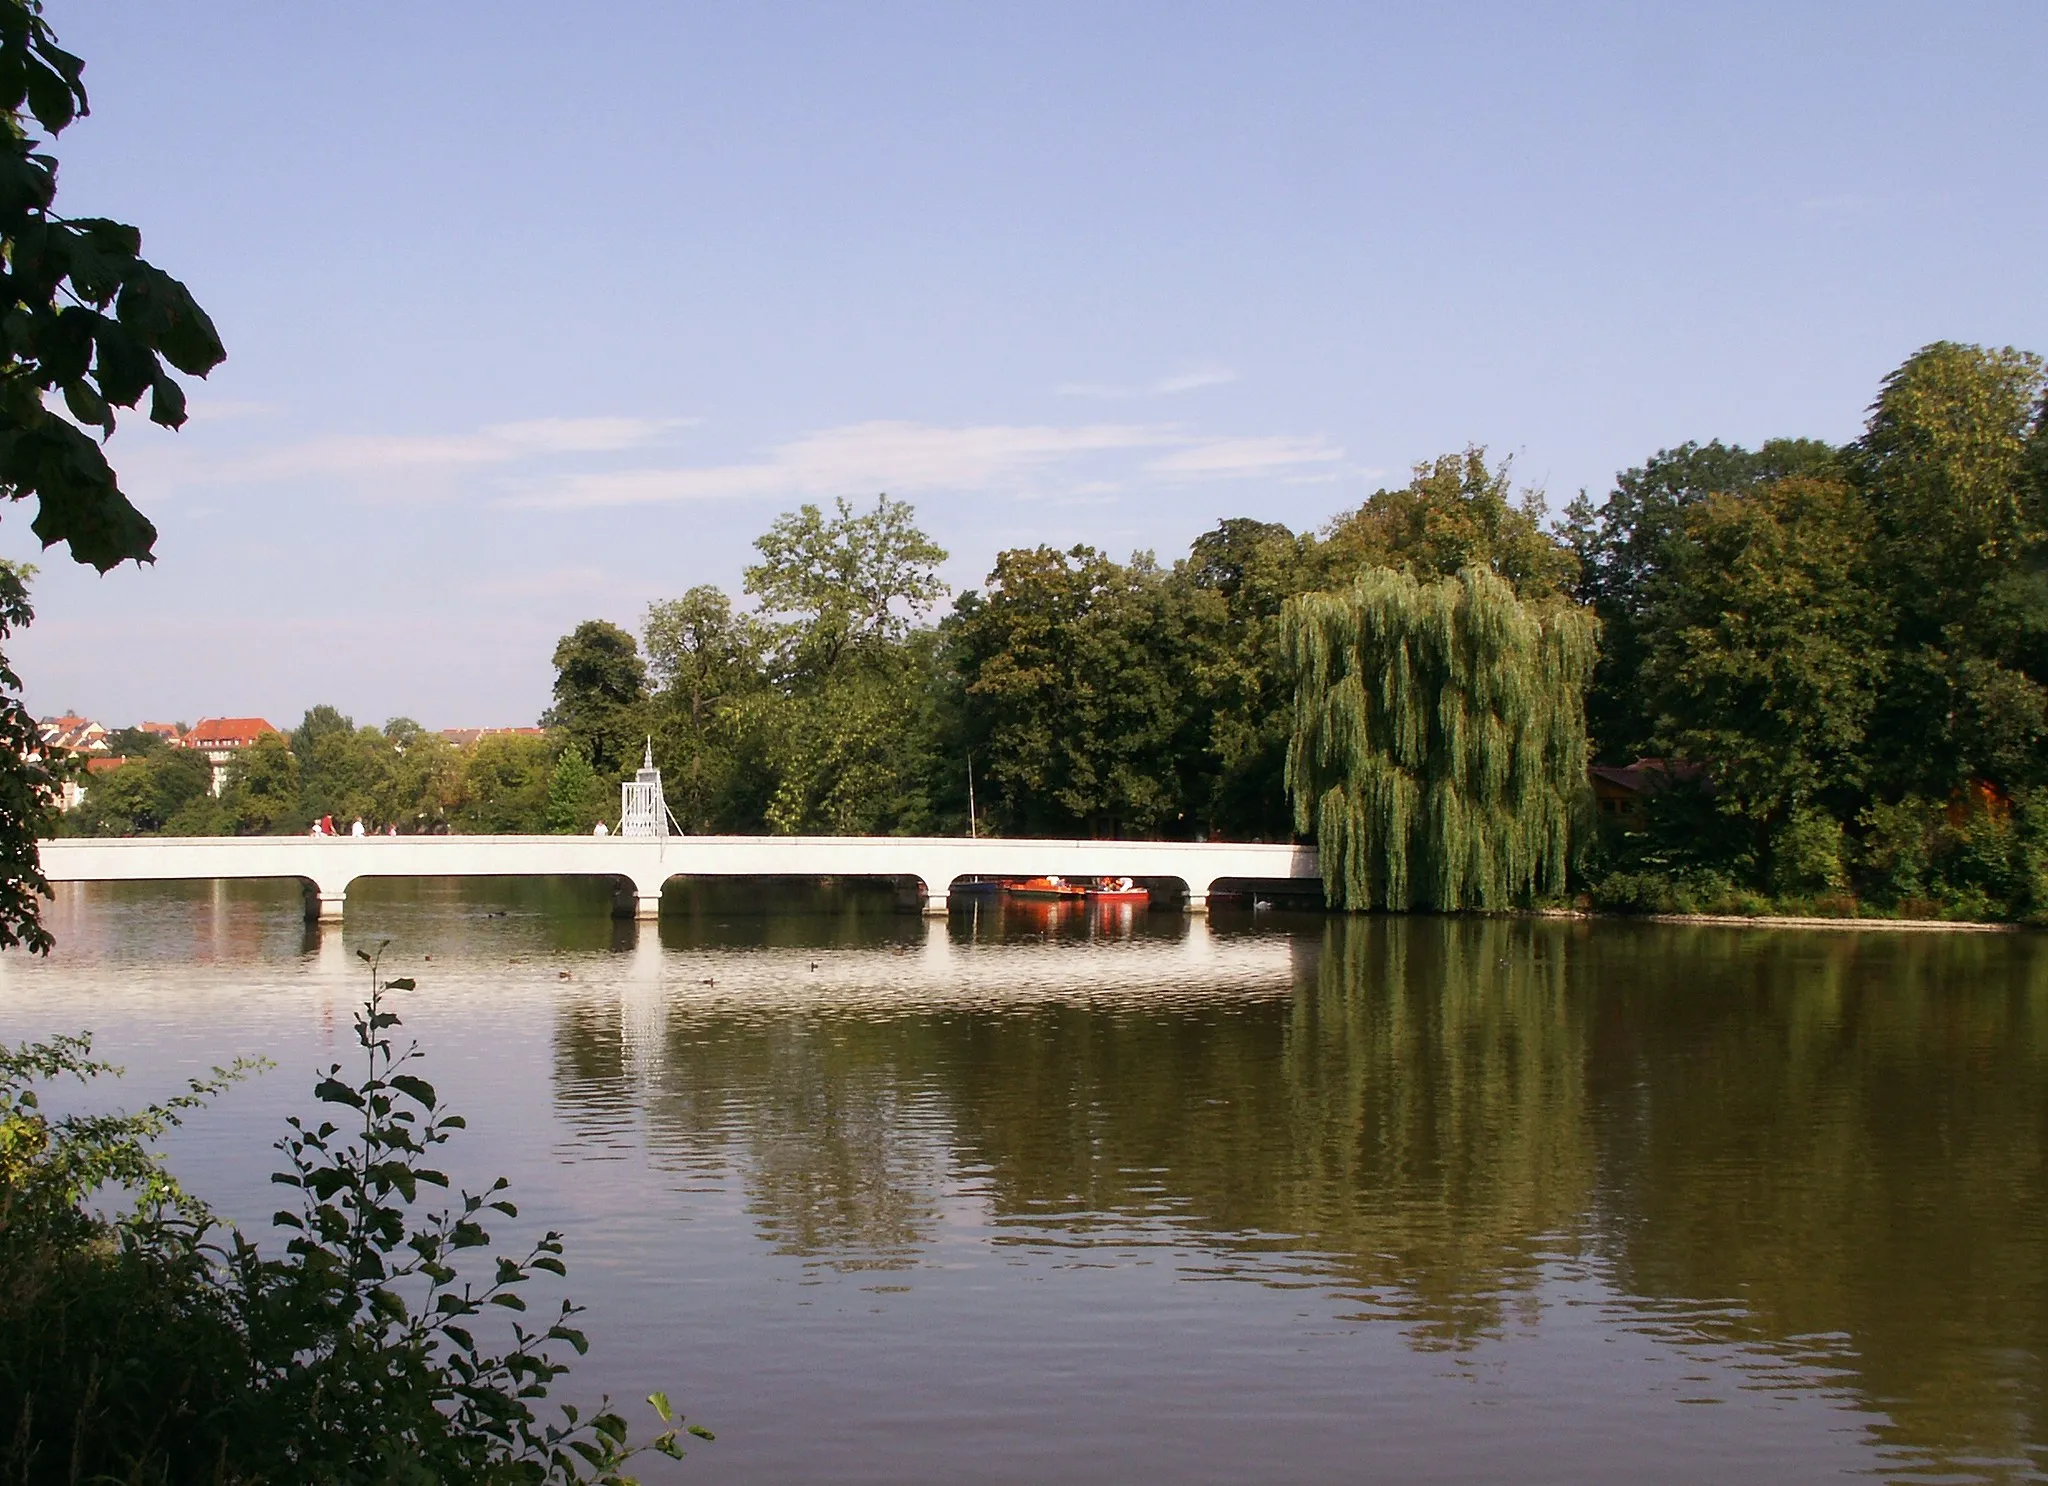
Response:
column 638, row 867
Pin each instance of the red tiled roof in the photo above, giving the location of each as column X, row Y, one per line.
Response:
column 226, row 732
column 73, row 734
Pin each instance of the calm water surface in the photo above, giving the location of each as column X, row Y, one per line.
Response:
column 1084, row 1198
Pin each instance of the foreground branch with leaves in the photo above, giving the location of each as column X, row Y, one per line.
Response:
column 148, row 1343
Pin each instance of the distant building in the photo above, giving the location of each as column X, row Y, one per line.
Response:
column 1622, row 790
column 222, row 740
column 73, row 734
column 464, row 737
column 170, row 732
column 76, row 736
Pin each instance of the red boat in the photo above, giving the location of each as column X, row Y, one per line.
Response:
column 1046, row 890
column 1118, row 890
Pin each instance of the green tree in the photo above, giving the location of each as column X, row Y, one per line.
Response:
column 1454, row 514
column 27, row 785
column 577, row 798
column 421, row 785
column 1440, row 745
column 261, row 797
column 89, row 320
column 848, row 582
column 505, row 785
column 134, row 743
column 836, row 736
column 855, row 752
column 600, row 688
column 1074, row 670
column 345, row 771
column 1947, row 463
column 1623, row 551
column 700, row 653
column 1765, row 650
column 144, row 795
column 707, row 663
column 1241, row 575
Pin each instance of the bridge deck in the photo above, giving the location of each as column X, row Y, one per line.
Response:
column 327, row 865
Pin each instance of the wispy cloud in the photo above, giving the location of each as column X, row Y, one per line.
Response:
column 572, row 463
column 499, row 444
column 898, row 457
column 1236, row 457
column 1191, row 380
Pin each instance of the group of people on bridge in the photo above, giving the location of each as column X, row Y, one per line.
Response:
column 325, row 826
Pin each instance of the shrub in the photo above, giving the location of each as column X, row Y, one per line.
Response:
column 1806, row 854
column 135, row 1347
column 1896, row 853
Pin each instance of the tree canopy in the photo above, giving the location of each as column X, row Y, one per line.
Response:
column 1439, row 751
column 88, row 319
column 600, row 684
column 84, row 319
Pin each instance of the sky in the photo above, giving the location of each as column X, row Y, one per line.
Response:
column 537, row 314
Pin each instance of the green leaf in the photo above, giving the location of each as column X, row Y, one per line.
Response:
column 403, row 983
column 78, row 501
column 166, row 402
column 65, row 341
column 87, row 406
column 50, row 97
column 125, row 370
column 334, row 1091
column 416, row 1089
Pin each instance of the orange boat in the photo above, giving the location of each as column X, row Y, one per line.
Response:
column 1118, row 890
column 1046, row 889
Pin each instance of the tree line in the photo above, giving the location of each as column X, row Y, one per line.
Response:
column 1851, row 641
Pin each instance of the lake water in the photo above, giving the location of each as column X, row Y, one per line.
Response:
column 1042, row 1197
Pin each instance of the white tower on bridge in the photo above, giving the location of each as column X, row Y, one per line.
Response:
column 642, row 810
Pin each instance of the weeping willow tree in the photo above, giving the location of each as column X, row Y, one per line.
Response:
column 1439, row 749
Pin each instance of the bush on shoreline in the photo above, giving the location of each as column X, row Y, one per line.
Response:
column 145, row 1342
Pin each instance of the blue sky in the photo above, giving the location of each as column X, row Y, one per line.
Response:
column 538, row 313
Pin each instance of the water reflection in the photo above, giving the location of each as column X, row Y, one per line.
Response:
column 1825, row 1149
column 1809, row 1166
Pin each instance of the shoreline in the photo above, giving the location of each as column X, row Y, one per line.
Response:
column 1793, row 921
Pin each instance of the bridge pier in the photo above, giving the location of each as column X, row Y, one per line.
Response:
column 324, row 905
column 1197, row 902
column 631, row 899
